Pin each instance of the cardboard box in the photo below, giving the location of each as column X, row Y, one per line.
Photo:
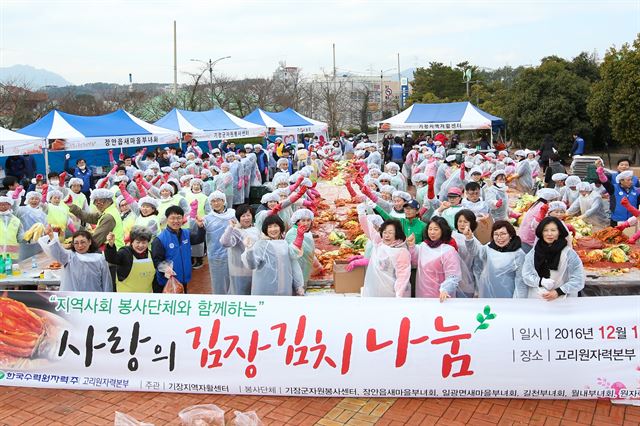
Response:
column 347, row 282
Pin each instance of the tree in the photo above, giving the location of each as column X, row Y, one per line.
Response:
column 439, row 80
column 550, row 99
column 364, row 111
column 615, row 99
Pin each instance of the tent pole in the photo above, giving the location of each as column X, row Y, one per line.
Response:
column 46, row 161
column 491, row 137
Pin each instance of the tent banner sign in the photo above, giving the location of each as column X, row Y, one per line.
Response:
column 8, row 148
column 322, row 346
column 91, row 143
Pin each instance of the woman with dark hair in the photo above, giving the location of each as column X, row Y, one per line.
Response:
column 466, row 225
column 238, row 231
column 436, row 260
column 499, row 263
column 389, row 267
column 83, row 267
column 534, row 216
column 274, row 262
column 552, row 269
column 134, row 267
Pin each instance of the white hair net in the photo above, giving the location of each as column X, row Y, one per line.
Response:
column 301, row 214
column 217, row 195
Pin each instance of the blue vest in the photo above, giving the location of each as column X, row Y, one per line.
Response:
column 177, row 251
column 620, row 213
column 396, row 152
column 85, row 176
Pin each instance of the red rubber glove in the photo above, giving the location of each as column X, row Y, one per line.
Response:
column 102, row 183
column 205, row 165
column 308, row 204
column 275, row 210
column 355, row 257
column 112, row 171
column 296, row 195
column 431, row 191
column 542, row 213
column 499, row 203
column 69, row 200
column 166, row 177
column 369, row 193
column 422, row 211
column 111, row 160
column 141, row 189
column 194, row 209
column 121, row 156
column 144, row 151
column 153, row 182
column 634, row 238
column 627, row 205
column 299, row 237
column 462, row 170
column 62, row 176
column 352, row 192
column 72, row 227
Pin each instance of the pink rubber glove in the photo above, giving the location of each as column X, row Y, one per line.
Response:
column 601, row 175
column 16, row 192
column 127, row 197
column 542, row 213
column 355, row 257
column 45, row 189
column 205, row 165
column 297, row 183
column 499, row 203
column 210, row 146
column 534, row 174
column 355, row 263
column 102, row 183
column 462, row 170
column 422, row 211
column 192, row 170
column 62, row 176
column 112, row 171
column 299, row 237
column 111, row 160
column 308, row 204
column 143, row 152
column 121, row 156
column 239, row 185
column 627, row 205
column 194, row 209
column 71, row 227
column 352, row 192
column 634, row 238
column 166, row 177
column 514, row 215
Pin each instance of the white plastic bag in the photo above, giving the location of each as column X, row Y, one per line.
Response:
column 202, row 415
column 250, row 418
column 123, row 419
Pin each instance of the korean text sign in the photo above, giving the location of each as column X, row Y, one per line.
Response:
column 322, row 346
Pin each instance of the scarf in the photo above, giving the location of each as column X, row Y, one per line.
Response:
column 547, row 256
column 438, row 243
column 514, row 245
column 396, row 244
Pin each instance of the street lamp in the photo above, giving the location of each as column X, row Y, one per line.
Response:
column 210, row 64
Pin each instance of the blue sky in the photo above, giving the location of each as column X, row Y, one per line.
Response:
column 89, row 41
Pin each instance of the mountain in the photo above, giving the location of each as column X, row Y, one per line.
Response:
column 31, row 77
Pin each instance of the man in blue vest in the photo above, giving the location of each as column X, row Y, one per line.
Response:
column 396, row 151
column 618, row 190
column 174, row 245
column 578, row 145
column 81, row 171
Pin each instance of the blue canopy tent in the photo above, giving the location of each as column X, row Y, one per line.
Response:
column 442, row 117
column 215, row 124
column 117, row 130
column 286, row 122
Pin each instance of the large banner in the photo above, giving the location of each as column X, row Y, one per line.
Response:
column 322, row 346
column 8, row 148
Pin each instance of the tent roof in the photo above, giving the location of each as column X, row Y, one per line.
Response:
column 287, row 121
column 61, row 125
column 449, row 116
column 12, row 143
column 116, row 129
column 213, row 124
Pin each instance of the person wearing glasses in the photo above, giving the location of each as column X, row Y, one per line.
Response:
column 83, row 266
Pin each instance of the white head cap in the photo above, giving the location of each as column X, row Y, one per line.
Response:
column 101, row 194
column 217, row 195
column 301, row 214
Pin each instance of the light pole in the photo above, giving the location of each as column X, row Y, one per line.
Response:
column 210, row 64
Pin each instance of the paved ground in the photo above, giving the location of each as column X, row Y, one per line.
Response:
column 29, row 406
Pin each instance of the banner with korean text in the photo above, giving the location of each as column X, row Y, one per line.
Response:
column 322, row 346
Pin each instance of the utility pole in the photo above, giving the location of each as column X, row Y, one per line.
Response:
column 399, row 86
column 175, row 61
column 211, row 80
column 334, row 61
column 381, row 94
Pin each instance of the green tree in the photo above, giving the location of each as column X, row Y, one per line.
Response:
column 615, row 99
column 441, row 81
column 550, row 99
